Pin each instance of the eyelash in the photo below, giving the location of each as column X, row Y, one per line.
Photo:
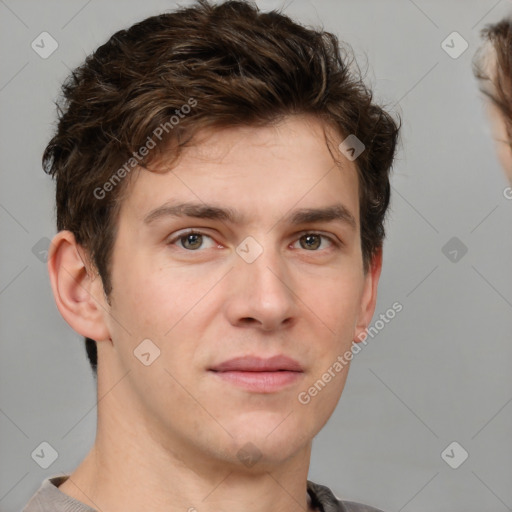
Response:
column 335, row 242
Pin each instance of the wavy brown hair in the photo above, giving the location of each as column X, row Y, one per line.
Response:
column 492, row 65
column 241, row 67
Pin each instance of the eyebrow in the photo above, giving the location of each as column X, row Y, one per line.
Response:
column 336, row 212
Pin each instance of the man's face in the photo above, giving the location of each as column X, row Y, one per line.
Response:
column 254, row 286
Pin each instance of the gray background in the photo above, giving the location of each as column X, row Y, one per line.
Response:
column 438, row 372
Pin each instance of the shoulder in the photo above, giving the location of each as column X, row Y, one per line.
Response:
column 323, row 496
column 49, row 498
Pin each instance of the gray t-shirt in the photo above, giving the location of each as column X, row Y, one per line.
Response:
column 49, row 498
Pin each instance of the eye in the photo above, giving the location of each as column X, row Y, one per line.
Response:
column 312, row 241
column 191, row 240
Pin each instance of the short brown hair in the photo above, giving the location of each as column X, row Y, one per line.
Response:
column 236, row 66
column 492, row 65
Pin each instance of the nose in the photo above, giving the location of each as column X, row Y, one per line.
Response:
column 261, row 292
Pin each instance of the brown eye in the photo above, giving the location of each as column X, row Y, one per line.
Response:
column 311, row 241
column 192, row 241
column 318, row 242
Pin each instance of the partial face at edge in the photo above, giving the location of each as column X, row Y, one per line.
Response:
column 201, row 301
column 502, row 142
column 501, row 138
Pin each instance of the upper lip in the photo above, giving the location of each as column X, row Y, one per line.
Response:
column 259, row 364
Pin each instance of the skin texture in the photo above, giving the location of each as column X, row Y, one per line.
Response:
column 174, row 420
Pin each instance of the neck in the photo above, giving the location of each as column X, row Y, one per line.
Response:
column 131, row 468
column 121, row 486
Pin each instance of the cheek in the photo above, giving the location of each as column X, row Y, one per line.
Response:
column 334, row 301
column 147, row 295
column 169, row 306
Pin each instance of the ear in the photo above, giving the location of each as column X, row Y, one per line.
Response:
column 369, row 297
column 78, row 291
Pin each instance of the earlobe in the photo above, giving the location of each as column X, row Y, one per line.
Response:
column 369, row 297
column 77, row 291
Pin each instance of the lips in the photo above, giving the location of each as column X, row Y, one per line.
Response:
column 258, row 364
column 259, row 375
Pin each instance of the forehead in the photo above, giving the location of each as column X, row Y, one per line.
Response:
column 259, row 172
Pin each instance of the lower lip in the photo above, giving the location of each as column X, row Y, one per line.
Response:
column 262, row 382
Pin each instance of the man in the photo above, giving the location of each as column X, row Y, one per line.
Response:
column 222, row 182
column 493, row 68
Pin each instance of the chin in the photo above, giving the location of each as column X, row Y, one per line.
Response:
column 270, row 442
